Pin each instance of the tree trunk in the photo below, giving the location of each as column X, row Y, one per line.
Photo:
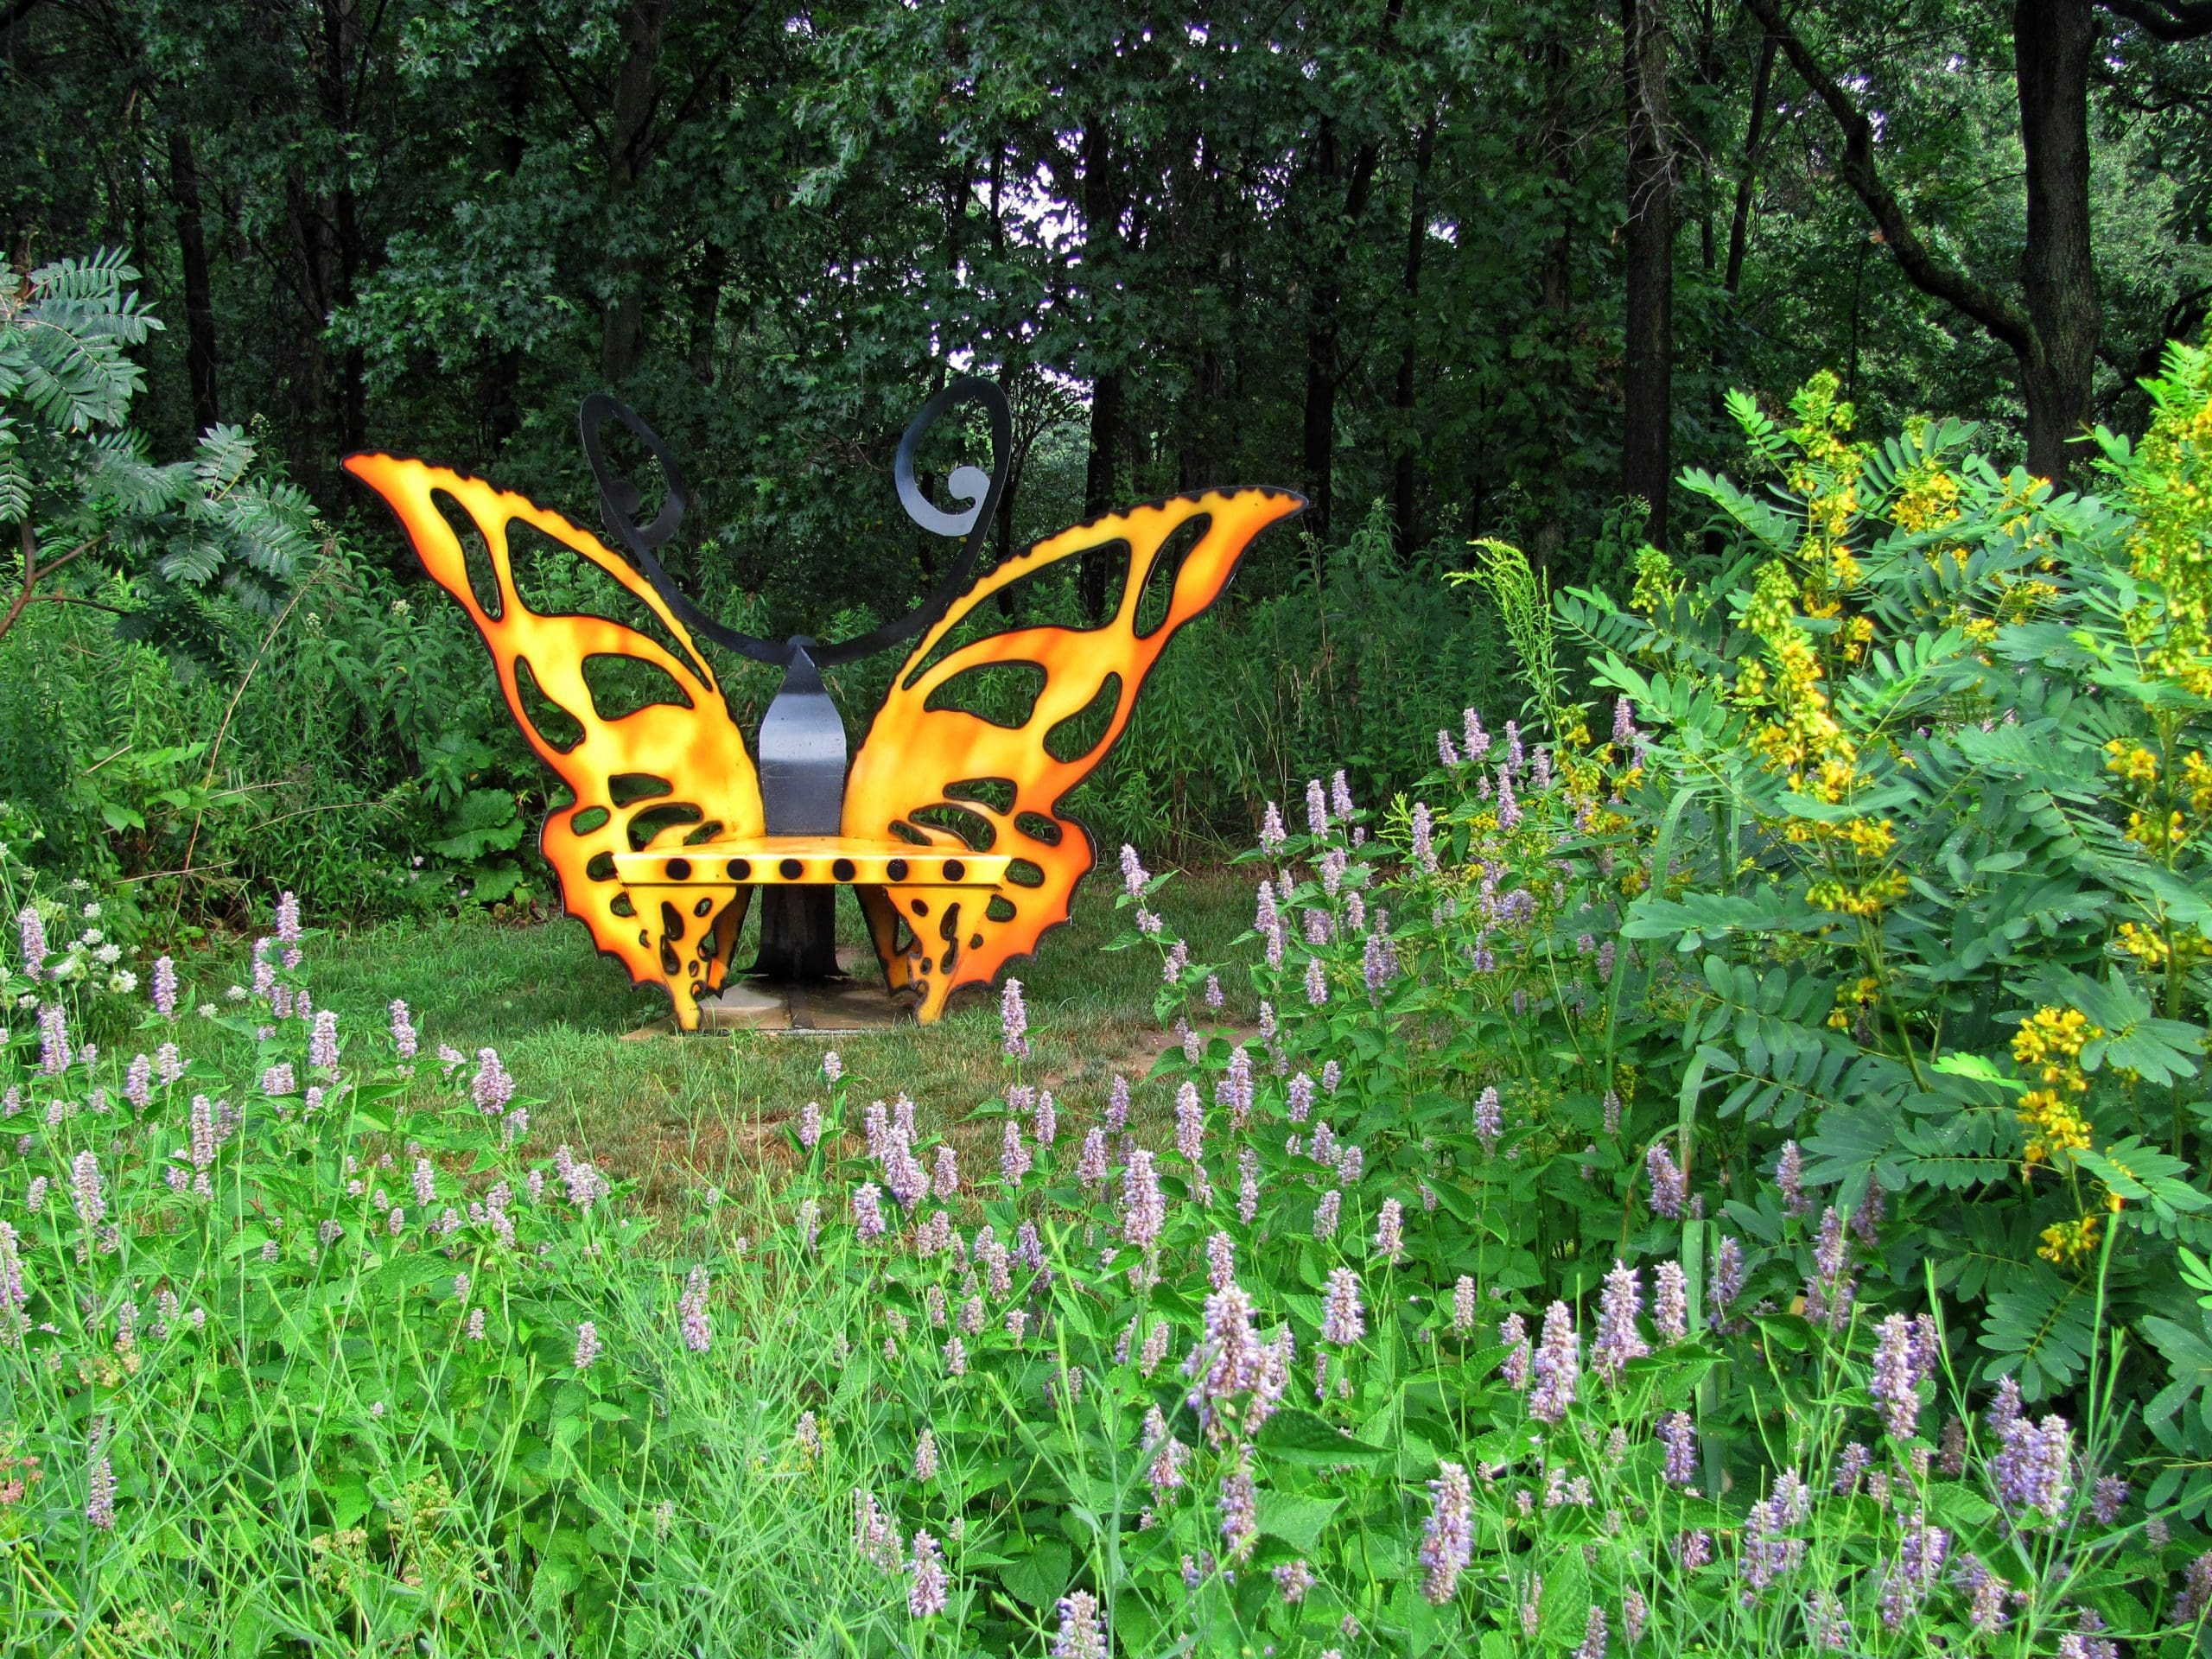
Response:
column 1553, row 326
column 644, row 27
column 1647, row 379
column 1317, row 430
column 199, row 292
column 1325, row 255
column 339, row 44
column 2054, row 336
column 2054, row 42
column 1407, row 481
column 503, row 392
column 1740, row 236
column 705, row 309
column 1101, row 236
column 1739, row 223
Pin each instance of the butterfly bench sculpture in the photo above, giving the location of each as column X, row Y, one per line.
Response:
column 672, row 824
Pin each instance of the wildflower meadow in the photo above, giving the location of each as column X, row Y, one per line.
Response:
column 1714, row 1167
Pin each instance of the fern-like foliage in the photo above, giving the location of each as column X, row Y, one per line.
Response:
column 1946, row 731
column 173, row 541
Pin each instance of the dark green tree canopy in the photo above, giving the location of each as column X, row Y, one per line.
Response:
column 1493, row 265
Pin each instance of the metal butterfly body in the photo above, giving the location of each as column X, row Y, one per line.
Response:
column 673, row 825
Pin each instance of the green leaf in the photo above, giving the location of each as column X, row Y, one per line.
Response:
column 2144, row 1175
column 2189, row 1365
column 1300, row 1437
column 1565, row 1611
column 1296, row 1518
column 486, row 821
column 1980, row 1068
column 2040, row 1330
column 1039, row 1578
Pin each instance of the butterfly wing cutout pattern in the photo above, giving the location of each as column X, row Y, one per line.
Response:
column 947, row 762
column 661, row 773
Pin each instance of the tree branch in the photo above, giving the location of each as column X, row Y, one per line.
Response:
column 567, row 86
column 28, row 538
column 2004, row 321
column 2165, row 20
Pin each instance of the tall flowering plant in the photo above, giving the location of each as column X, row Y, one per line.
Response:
column 249, row 1242
column 1920, row 829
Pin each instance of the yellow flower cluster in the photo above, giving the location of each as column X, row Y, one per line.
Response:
column 1854, row 999
column 2048, row 1045
column 2149, row 947
column 1804, row 736
column 2196, row 783
column 2171, row 498
column 1825, row 475
column 2162, row 825
column 1868, row 898
column 2131, row 762
column 1657, row 582
column 1927, row 498
column 2023, row 598
column 1804, row 741
column 2067, row 1241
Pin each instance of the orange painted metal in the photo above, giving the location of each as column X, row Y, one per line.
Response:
column 659, row 758
column 665, row 789
column 940, row 947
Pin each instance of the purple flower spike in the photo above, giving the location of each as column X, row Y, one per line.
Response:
column 1557, row 1367
column 1342, row 1321
column 1447, row 1543
column 1726, row 1282
column 1670, row 1309
column 1490, row 1119
column 1618, row 1341
column 1679, row 1435
column 1475, row 740
column 1669, row 1187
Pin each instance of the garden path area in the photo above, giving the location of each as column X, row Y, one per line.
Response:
column 688, row 1113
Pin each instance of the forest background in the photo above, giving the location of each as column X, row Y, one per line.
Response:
column 1452, row 269
column 1821, row 925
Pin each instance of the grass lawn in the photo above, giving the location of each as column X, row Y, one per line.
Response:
column 676, row 1112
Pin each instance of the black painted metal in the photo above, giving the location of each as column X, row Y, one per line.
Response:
column 802, row 739
column 619, row 501
column 801, row 745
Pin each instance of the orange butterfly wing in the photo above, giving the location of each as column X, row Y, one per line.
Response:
column 914, row 757
column 665, row 756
